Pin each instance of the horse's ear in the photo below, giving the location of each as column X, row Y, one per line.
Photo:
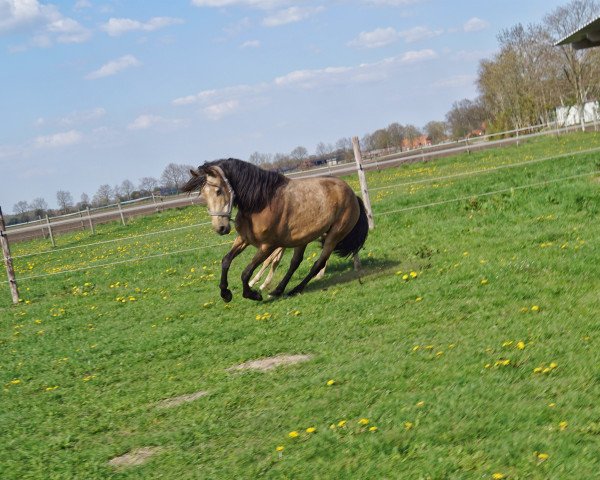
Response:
column 194, row 173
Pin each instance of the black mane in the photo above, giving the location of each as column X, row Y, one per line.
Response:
column 254, row 187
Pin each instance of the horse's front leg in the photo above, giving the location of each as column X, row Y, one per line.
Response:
column 238, row 247
column 261, row 255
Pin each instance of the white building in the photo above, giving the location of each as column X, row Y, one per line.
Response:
column 569, row 116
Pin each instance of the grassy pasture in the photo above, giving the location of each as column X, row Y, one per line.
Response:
column 484, row 363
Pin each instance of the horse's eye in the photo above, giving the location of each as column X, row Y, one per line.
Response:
column 219, row 192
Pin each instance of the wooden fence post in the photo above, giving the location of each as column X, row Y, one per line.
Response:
column 363, row 182
column 90, row 220
column 121, row 212
column 10, row 272
column 50, row 231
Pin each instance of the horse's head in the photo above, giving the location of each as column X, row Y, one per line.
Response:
column 219, row 195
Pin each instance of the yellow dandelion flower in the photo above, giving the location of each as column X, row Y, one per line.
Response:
column 521, row 345
column 419, row 299
column 498, row 476
column 414, row 274
column 293, row 434
column 546, row 370
column 420, row 404
column 553, row 365
column 563, row 425
column 535, row 308
column 373, row 429
column 537, row 370
column 49, row 389
column 484, row 281
column 415, row 348
column 408, row 425
column 552, row 405
column 330, row 382
column 16, row 381
column 507, row 343
column 363, row 421
column 341, row 423
column 280, row 448
column 332, row 426
column 543, row 456
column 405, row 277
column 311, row 430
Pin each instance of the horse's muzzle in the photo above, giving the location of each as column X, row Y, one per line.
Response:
column 223, row 229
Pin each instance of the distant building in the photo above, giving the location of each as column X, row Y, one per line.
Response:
column 586, row 37
column 569, row 116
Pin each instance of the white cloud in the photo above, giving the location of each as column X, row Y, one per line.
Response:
column 113, row 67
column 394, row 3
column 117, row 26
column 251, row 44
column 380, row 37
column 81, row 4
column 419, row 33
column 73, row 118
column 263, row 4
column 217, row 103
column 475, row 25
column 290, row 15
column 57, row 140
column 219, row 110
column 146, row 121
column 44, row 22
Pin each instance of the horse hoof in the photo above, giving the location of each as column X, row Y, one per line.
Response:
column 276, row 293
column 295, row 291
column 253, row 295
column 226, row 295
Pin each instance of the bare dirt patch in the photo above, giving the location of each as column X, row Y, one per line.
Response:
column 176, row 401
column 134, row 457
column 266, row 364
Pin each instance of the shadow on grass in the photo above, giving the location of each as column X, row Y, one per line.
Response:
column 339, row 274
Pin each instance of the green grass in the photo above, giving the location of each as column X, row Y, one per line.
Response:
column 482, row 264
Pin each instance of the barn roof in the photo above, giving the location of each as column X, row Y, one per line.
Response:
column 586, row 37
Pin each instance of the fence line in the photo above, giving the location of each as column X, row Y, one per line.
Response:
column 389, row 212
column 491, row 169
column 104, row 242
column 487, row 194
column 121, row 262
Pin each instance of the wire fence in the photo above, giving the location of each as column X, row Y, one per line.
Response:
column 494, row 169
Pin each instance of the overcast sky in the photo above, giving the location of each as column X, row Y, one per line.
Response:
column 99, row 91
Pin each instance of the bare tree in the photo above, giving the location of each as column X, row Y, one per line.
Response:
column 465, row 116
column 103, row 195
column 259, row 159
column 299, row 154
column 436, row 131
column 175, row 175
column 127, row 189
column 39, row 207
column 84, row 201
column 323, row 150
column 148, row 184
column 64, row 200
column 21, row 207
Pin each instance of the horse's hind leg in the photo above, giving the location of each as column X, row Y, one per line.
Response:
column 261, row 255
column 317, row 266
column 294, row 264
column 271, row 262
column 276, row 259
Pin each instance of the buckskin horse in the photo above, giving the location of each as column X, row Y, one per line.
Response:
column 275, row 211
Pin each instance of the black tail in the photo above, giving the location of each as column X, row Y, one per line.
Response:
column 354, row 241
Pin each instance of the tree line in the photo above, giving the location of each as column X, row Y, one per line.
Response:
column 519, row 86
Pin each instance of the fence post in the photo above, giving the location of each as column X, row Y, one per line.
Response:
column 10, row 272
column 518, row 138
column 468, row 146
column 50, row 231
column 363, row 182
column 90, row 220
column 81, row 216
column 121, row 212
